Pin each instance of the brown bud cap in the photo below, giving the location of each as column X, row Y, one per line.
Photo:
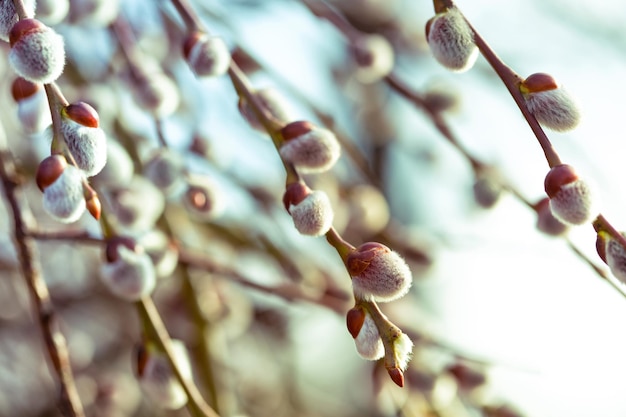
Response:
column 49, row 170
column 190, row 41
column 295, row 193
column 94, row 207
column 141, row 358
column 111, row 250
column 559, row 176
column 538, row 82
column 296, row 129
column 355, row 319
column 601, row 241
column 360, row 259
column 82, row 113
column 397, row 376
column 467, row 377
column 22, row 28
column 22, row 88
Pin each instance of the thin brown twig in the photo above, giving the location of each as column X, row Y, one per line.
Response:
column 54, row 339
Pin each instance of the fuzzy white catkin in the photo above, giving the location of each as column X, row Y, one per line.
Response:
column 403, row 350
column 387, row 277
column 554, row 109
column 131, row 276
column 209, row 56
column 378, row 55
column 451, row 41
column 159, row 382
column 368, row 342
column 165, row 170
column 273, row 102
column 313, row 216
column 33, row 112
column 573, row 204
column 312, row 152
column 8, row 16
column 39, row 56
column 136, row 205
column 616, row 258
column 64, row 199
column 88, row 146
column 119, row 167
column 157, row 93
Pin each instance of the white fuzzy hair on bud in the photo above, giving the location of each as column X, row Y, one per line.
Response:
column 88, row 145
column 314, row 215
column 616, row 258
column 158, row 380
column 554, row 109
column 273, row 102
column 8, row 16
column 368, row 343
column 64, row 199
column 403, row 350
column 207, row 56
column 131, row 276
column 33, row 112
column 378, row 273
column 38, row 55
column 374, row 56
column 451, row 40
column 312, row 152
column 573, row 204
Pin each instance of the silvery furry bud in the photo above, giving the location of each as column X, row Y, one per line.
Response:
column 85, row 140
column 165, row 169
column 311, row 211
column 571, row 199
column 202, row 198
column 378, row 273
column 135, row 206
column 551, row 105
column 32, row 105
column 119, row 167
column 8, row 16
column 614, row 256
column 37, row 51
column 157, row 378
column 451, row 40
column 273, row 102
column 98, row 13
column 52, row 12
column 546, row 222
column 309, row 148
column 207, row 56
column 129, row 273
column 368, row 343
column 374, row 57
column 63, row 199
column 487, row 191
column 157, row 93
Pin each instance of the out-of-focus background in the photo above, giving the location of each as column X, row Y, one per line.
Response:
column 490, row 291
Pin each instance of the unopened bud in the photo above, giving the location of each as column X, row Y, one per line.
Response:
column 487, row 191
column 63, row 199
column 615, row 256
column 37, row 52
column 374, row 57
column 397, row 376
column 570, row 198
column 207, row 56
column 165, row 169
column 9, row 17
column 309, row 148
column 311, row 211
column 551, row 105
column 85, row 140
column 546, row 222
column 354, row 320
column 274, row 104
column 136, row 205
column 378, row 273
column 368, row 343
column 32, row 105
column 157, row 93
column 129, row 273
column 202, row 198
column 157, row 378
column 94, row 207
column 451, row 40
column 49, row 170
